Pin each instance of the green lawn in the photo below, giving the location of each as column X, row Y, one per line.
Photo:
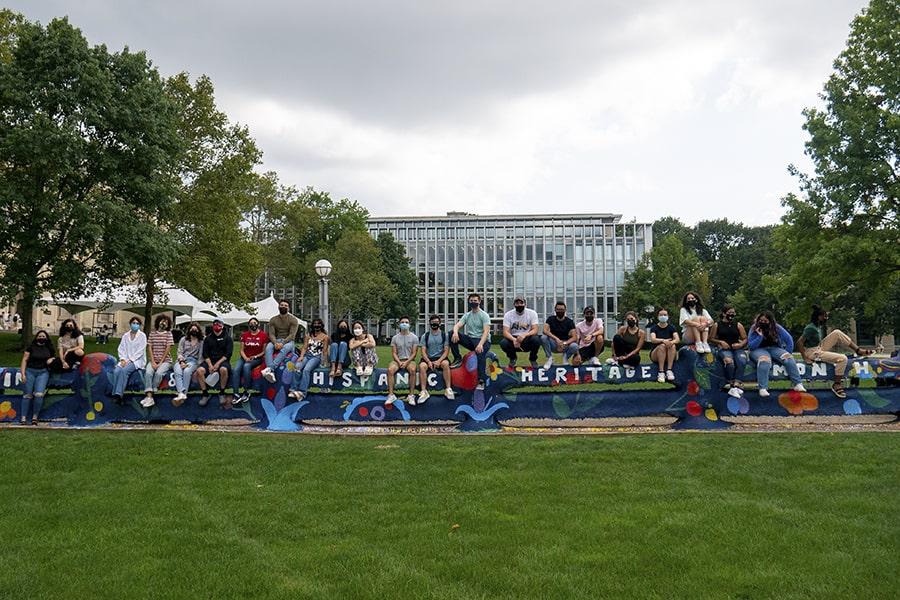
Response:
column 178, row 514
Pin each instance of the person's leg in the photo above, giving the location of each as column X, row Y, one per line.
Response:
column 224, row 376
column 531, row 345
column 763, row 366
column 671, row 355
column 632, row 361
column 790, row 365
column 482, row 361
column 836, row 338
column 311, row 364
column 201, row 376
column 343, row 356
column 392, row 370
column 282, row 354
column 510, row 350
column 40, row 386
column 149, row 372
column 188, row 373
column 445, row 369
column 423, row 377
column 411, row 371
column 270, row 355
column 571, row 351
column 161, row 371
column 549, row 346
column 727, row 358
column 178, row 377
column 238, row 378
column 27, row 393
column 740, row 365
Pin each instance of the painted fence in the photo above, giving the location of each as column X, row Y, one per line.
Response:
column 695, row 398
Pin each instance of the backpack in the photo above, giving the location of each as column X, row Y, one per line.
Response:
column 428, row 334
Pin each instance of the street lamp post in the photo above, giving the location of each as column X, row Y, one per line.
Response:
column 323, row 270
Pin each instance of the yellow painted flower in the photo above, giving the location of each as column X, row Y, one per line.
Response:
column 90, row 416
column 98, row 406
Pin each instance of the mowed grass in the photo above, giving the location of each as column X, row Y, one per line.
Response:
column 178, row 514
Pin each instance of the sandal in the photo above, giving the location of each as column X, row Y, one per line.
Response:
column 862, row 352
column 838, row 391
column 338, row 372
column 34, row 421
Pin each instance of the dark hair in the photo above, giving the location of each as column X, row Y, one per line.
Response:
column 360, row 323
column 474, row 295
column 699, row 308
column 589, row 308
column 432, row 317
column 283, row 301
column 559, row 303
column 133, row 319
column 631, row 313
column 403, row 317
column 252, row 319
column 75, row 330
column 344, row 321
column 193, row 324
column 771, row 330
column 724, row 310
column 159, row 320
column 39, row 332
column 318, row 321
column 817, row 311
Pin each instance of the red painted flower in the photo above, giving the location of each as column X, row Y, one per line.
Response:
column 694, row 409
column 798, row 402
column 571, row 379
column 693, row 388
column 587, row 378
column 554, row 383
column 93, row 363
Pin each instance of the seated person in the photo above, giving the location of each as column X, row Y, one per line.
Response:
column 160, row 343
column 282, row 332
column 559, row 336
column 435, row 349
column 627, row 343
column 730, row 339
column 362, row 349
column 404, row 347
column 815, row 346
column 770, row 342
column 520, row 333
column 215, row 358
column 70, row 346
column 589, row 333
column 339, row 349
column 664, row 338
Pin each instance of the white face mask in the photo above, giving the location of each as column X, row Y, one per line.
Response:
column 357, row 332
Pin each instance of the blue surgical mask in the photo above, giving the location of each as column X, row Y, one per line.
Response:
column 404, row 326
column 664, row 319
column 135, row 326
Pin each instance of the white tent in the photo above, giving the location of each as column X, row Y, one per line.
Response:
column 263, row 310
column 128, row 297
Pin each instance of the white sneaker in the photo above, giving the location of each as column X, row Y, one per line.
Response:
column 549, row 363
column 698, row 346
column 763, row 393
column 670, row 375
column 147, row 402
column 411, row 400
column 661, row 378
column 423, row 397
column 359, row 371
column 368, row 371
column 611, row 361
column 735, row 392
column 799, row 388
column 449, row 394
column 595, row 360
column 268, row 374
column 390, row 399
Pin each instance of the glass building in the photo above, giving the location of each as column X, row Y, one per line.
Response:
column 580, row 259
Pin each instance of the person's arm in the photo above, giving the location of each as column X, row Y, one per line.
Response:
column 801, row 348
column 642, row 337
column 295, row 326
column 484, row 336
column 369, row 341
column 787, row 341
column 24, row 364
column 531, row 332
column 742, row 343
column 573, row 337
column 713, row 337
column 394, row 354
column 507, row 334
column 243, row 351
column 675, row 337
column 754, row 339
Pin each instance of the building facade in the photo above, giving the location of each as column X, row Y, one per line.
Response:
column 580, row 259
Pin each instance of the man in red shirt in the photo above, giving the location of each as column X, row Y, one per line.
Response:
column 253, row 350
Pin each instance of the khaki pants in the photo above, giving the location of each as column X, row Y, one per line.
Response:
column 821, row 353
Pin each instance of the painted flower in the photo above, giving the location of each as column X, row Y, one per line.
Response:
column 493, row 369
column 693, row 408
column 798, row 402
column 693, row 388
column 6, row 410
column 93, row 363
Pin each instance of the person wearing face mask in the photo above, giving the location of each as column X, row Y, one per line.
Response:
column 695, row 322
column 70, row 347
column 664, row 338
column 473, row 332
column 770, row 342
column 188, row 357
column 435, row 349
column 160, row 343
column 339, row 350
column 132, row 357
column 589, row 333
column 311, row 356
column 35, row 373
column 215, row 358
column 520, row 333
column 559, row 336
column 627, row 342
column 815, row 346
column 729, row 338
column 253, row 350
column 282, row 332
column 404, row 348
column 362, row 349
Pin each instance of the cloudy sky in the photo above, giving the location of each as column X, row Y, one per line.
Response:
column 648, row 108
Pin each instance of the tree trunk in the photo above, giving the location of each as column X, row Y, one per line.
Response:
column 149, row 289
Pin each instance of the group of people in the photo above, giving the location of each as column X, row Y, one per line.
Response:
column 577, row 343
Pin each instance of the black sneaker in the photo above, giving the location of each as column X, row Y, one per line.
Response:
column 457, row 362
column 480, row 385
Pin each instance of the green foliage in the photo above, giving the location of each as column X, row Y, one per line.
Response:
column 360, row 288
column 842, row 232
column 396, row 265
column 85, row 139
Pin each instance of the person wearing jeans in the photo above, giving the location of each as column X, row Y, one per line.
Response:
column 132, row 356
column 35, row 372
column 253, row 349
column 188, row 357
column 310, row 357
column 768, row 341
column 282, row 332
column 473, row 333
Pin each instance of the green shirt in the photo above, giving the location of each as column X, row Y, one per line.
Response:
column 813, row 335
column 473, row 323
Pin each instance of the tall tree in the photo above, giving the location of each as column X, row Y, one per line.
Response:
column 85, row 137
column 397, row 267
column 842, row 230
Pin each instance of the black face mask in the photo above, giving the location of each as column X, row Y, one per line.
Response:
column 194, row 333
column 631, row 322
column 68, row 329
column 560, row 314
column 729, row 317
column 253, row 326
column 520, row 309
column 692, row 303
column 343, row 330
column 435, row 325
column 41, row 341
column 282, row 310
column 588, row 318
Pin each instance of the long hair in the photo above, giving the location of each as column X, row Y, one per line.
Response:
column 817, row 311
column 770, row 332
column 75, row 331
column 199, row 329
column 724, row 310
column 698, row 308
column 39, row 332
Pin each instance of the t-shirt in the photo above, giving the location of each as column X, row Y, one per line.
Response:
column 158, row 342
column 685, row 314
column 585, row 329
column 405, row 343
column 560, row 329
column 38, row 355
column 254, row 343
column 812, row 334
column 520, row 323
column 434, row 343
column 218, row 346
column 67, row 342
column 283, row 327
column 663, row 333
column 473, row 323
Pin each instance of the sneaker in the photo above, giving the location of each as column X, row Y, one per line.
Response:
column 268, row 374
column 457, row 362
column 246, row 396
column 423, row 397
column 179, row 399
column 480, row 385
column 698, row 346
column 236, row 399
column 147, row 402
column 204, row 399
column 535, row 365
column 512, row 364
column 390, row 399
column 763, row 393
column 368, row 371
column 734, row 392
column 799, row 388
column 611, row 361
column 222, row 400
column 359, row 372
column 595, row 360
column 549, row 363
column 296, row 394
column 411, row 400
column 449, row 394
column 661, row 378
column 670, row 376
